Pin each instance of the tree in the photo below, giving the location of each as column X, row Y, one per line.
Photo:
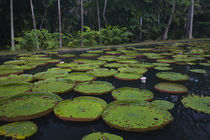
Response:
column 12, row 25
column 60, row 29
column 34, row 24
column 104, row 12
column 190, row 20
column 82, row 22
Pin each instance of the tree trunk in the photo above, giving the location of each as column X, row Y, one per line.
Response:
column 82, row 22
column 99, row 20
column 190, row 20
column 104, row 12
column 165, row 34
column 60, row 28
column 140, row 25
column 34, row 24
column 12, row 26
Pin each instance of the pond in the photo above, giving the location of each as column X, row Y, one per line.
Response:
column 187, row 123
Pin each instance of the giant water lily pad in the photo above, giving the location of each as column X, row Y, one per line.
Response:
column 127, row 76
column 8, row 71
column 66, row 65
column 101, row 136
column 88, row 55
column 115, row 65
column 15, row 62
column 16, row 78
column 163, row 68
column 198, row 103
column 135, row 116
column 132, row 70
column 27, row 106
column 83, row 108
column 80, row 77
column 162, row 104
column 128, row 93
column 103, row 72
column 166, row 61
column 171, row 88
column 201, row 71
column 172, row 76
column 84, row 67
column 19, row 130
column 14, row 88
column 50, row 74
column 56, row 86
column 66, row 55
column 95, row 51
column 94, row 88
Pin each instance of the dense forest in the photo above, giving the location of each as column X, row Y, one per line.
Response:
column 93, row 22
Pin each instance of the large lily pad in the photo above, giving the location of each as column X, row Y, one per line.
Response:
column 162, row 104
column 66, row 55
column 128, row 76
column 84, row 67
column 135, row 116
column 19, row 130
column 14, row 88
column 171, row 88
column 103, row 72
column 101, row 136
column 201, row 71
column 56, row 86
column 163, row 68
column 132, row 70
column 128, row 93
column 8, row 71
column 67, row 65
column 50, row 74
column 27, row 106
column 94, row 88
column 16, row 78
column 89, row 55
column 172, row 76
column 80, row 77
column 115, row 65
column 198, row 103
column 82, row 109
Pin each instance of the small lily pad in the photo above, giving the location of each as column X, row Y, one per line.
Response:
column 171, row 88
column 19, row 130
column 101, row 136
column 94, row 88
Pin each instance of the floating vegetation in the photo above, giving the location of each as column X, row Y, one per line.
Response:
column 127, row 76
column 162, row 104
column 198, row 103
column 80, row 77
column 84, row 67
column 205, row 64
column 27, row 106
column 103, row 72
column 113, row 52
column 94, row 88
column 115, row 65
column 107, row 58
column 135, row 116
column 57, row 86
column 95, row 51
column 166, row 61
column 16, row 78
column 101, row 136
column 171, row 88
column 7, row 71
column 163, row 68
column 66, row 55
column 67, row 65
column 172, row 76
column 201, row 71
column 127, row 61
column 161, row 64
column 82, row 109
column 89, row 55
column 132, row 70
column 19, row 130
column 128, row 93
column 142, row 65
column 50, row 74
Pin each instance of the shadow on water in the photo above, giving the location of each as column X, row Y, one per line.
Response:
column 187, row 124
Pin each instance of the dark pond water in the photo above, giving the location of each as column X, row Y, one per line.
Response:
column 187, row 124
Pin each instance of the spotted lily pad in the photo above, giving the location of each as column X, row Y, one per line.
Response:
column 171, row 88
column 172, row 76
column 82, row 109
column 56, row 86
column 19, row 130
column 101, row 136
column 128, row 93
column 27, row 106
column 14, row 88
column 201, row 71
column 94, row 88
column 135, row 116
column 127, row 76
column 16, row 78
column 103, row 72
column 198, row 103
column 80, row 77
column 162, row 104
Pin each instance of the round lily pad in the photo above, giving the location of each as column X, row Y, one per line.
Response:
column 128, row 76
column 16, row 78
column 161, row 64
column 103, row 72
column 50, row 74
column 84, row 67
column 115, row 65
column 172, row 76
column 166, row 61
column 15, row 62
column 135, row 116
column 205, row 64
column 113, row 52
column 66, row 65
column 171, row 88
column 162, row 104
column 128, row 93
column 94, row 88
column 66, row 55
column 80, row 77
column 95, row 51
column 56, row 86
column 101, row 136
column 19, row 130
column 132, row 70
column 127, row 61
column 81, row 109
column 89, row 55
column 27, row 106
column 5, row 71
column 163, row 68
column 201, row 71
column 142, row 65
column 198, row 103
column 14, row 88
